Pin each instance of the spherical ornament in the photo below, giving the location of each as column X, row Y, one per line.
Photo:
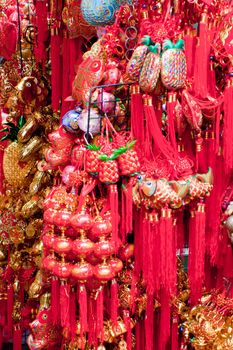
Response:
column 48, row 240
column 70, row 120
column 99, row 12
column 116, row 264
column 49, row 216
column 231, row 237
column 49, row 263
column 106, row 102
column 77, row 155
column 90, row 123
column 81, row 221
column 60, row 139
column 62, row 218
column 104, row 249
column 126, row 252
column 83, row 246
column 67, row 172
column 62, row 245
column 82, row 271
column 229, row 223
column 104, row 272
column 101, row 227
column 62, row 270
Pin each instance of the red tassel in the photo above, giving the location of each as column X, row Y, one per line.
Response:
column 137, row 117
column 66, row 83
column 123, row 214
column 42, row 31
column 200, row 155
column 171, row 104
column 202, row 59
column 91, row 323
column 129, row 330
column 168, row 252
column 65, row 304
column 129, row 206
column 113, row 199
column 73, row 326
column 1, row 158
column 83, row 310
column 228, row 126
column 164, row 320
column 75, row 55
column 1, row 338
column 56, row 68
column 156, row 269
column 161, row 145
column 55, row 300
column 190, row 41
column 10, row 306
column 17, row 338
column 138, row 335
column 174, row 333
column 149, row 322
column 114, row 302
column 100, row 315
column 197, row 253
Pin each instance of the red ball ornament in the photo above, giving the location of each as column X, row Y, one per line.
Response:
column 62, row 245
column 83, row 247
column 48, row 240
column 62, row 218
column 49, row 263
column 101, row 227
column 116, row 264
column 82, row 271
column 104, row 249
column 81, row 221
column 126, row 252
column 104, row 272
column 49, row 215
column 62, row 270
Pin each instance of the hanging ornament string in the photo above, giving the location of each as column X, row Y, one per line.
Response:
column 19, row 38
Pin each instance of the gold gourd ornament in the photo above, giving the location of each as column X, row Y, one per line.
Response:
column 15, row 171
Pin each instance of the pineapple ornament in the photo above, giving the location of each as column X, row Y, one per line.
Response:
column 92, row 159
column 135, row 64
column 151, row 69
column 174, row 66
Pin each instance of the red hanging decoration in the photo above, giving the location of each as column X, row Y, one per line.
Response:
column 10, row 306
column 55, row 300
column 100, row 315
column 197, row 252
column 56, row 67
column 65, row 304
column 83, row 312
column 171, row 105
column 17, row 337
column 114, row 302
column 228, row 126
column 200, row 86
column 42, row 31
column 137, row 116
